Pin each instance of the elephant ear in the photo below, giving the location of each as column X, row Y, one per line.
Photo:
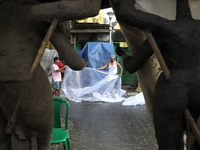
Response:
column 133, row 36
column 150, row 71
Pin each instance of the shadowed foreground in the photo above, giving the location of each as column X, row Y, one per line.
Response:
column 109, row 126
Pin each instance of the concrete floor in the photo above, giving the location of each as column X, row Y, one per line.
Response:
column 109, row 126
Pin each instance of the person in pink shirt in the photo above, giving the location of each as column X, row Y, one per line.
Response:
column 56, row 74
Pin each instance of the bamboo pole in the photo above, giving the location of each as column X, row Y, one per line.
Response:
column 44, row 44
column 158, row 54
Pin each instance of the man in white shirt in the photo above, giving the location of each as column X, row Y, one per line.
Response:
column 112, row 65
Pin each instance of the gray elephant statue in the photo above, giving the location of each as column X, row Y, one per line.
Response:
column 178, row 42
column 26, row 105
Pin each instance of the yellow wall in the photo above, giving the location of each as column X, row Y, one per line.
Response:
column 117, row 26
column 100, row 18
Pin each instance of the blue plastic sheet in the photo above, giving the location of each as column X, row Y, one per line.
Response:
column 97, row 54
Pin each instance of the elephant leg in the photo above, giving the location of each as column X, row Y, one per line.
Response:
column 4, row 137
column 169, row 103
column 19, row 144
column 38, row 105
column 34, row 115
column 194, row 108
column 195, row 146
column 43, row 144
column 34, row 143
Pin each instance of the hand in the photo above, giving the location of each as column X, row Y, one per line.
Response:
column 64, row 67
column 120, row 75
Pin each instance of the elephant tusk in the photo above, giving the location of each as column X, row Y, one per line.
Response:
column 44, row 44
column 158, row 54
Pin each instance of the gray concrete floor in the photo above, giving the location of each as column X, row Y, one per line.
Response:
column 109, row 126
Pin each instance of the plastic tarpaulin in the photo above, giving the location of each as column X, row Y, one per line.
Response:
column 47, row 61
column 92, row 85
column 97, row 54
column 134, row 100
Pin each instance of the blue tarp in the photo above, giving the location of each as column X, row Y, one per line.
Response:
column 97, row 54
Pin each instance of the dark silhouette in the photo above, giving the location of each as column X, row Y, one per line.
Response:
column 178, row 41
column 26, row 105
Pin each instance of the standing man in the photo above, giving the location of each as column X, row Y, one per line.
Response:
column 112, row 65
column 56, row 74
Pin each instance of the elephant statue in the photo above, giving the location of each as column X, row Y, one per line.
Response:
column 26, row 105
column 170, row 97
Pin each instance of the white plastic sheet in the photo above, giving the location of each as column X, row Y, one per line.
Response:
column 134, row 100
column 92, row 85
column 47, row 61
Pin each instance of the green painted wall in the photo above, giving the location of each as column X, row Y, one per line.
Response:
column 127, row 78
